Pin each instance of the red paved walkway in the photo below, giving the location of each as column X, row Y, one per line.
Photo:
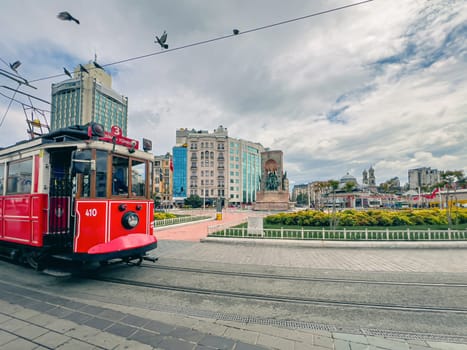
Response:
column 196, row 231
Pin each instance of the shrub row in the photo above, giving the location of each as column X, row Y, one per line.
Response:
column 163, row 216
column 350, row 217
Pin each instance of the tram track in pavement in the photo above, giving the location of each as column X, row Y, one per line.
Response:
column 279, row 298
column 302, row 278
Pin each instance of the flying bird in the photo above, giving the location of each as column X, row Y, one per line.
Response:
column 14, row 66
column 65, row 16
column 161, row 41
column 236, row 31
column 82, row 69
column 67, row 72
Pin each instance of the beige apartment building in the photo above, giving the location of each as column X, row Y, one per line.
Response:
column 219, row 166
column 163, row 180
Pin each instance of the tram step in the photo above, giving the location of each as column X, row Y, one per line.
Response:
column 62, row 257
column 151, row 258
column 56, row 273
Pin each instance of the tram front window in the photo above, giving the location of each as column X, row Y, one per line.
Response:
column 120, row 167
column 138, row 179
column 101, row 173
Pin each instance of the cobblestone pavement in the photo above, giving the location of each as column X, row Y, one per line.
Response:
column 195, row 231
column 367, row 259
column 34, row 320
column 30, row 319
column 271, row 254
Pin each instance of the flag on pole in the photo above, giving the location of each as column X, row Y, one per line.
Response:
column 433, row 194
column 171, row 165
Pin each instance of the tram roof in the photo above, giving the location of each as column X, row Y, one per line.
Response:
column 74, row 136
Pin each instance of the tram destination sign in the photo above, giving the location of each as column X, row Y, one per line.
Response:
column 116, row 136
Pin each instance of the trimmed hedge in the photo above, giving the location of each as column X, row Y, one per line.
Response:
column 375, row 217
column 163, row 216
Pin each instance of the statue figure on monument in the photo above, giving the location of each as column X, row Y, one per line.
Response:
column 273, row 193
column 272, row 182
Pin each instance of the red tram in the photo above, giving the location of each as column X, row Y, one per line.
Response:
column 78, row 193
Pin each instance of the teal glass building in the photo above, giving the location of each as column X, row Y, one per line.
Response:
column 87, row 97
column 179, row 173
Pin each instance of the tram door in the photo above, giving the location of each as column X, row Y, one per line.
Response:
column 61, row 221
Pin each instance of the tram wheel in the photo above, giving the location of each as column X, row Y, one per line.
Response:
column 133, row 261
column 34, row 262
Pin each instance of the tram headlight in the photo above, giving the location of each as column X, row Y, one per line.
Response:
column 130, row 220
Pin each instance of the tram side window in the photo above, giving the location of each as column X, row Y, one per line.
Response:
column 138, row 180
column 2, row 178
column 19, row 176
column 150, row 177
column 82, row 165
column 120, row 167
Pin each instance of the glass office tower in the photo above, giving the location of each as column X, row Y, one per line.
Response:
column 86, row 97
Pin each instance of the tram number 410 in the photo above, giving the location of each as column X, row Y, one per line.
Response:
column 91, row 212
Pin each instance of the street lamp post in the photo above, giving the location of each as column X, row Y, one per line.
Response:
column 204, row 197
column 419, row 197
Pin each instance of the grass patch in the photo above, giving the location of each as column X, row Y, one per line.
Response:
column 375, row 228
column 372, row 228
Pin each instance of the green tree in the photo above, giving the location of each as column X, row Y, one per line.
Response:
column 194, row 201
column 302, row 198
column 157, row 200
column 349, row 186
column 449, row 181
column 333, row 184
column 319, row 189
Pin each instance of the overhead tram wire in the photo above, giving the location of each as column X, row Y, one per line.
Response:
column 204, row 42
column 9, row 105
column 21, row 81
column 24, row 104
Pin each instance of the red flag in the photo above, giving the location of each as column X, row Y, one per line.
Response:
column 433, row 194
column 171, row 165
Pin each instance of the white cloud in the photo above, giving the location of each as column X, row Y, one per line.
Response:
column 380, row 84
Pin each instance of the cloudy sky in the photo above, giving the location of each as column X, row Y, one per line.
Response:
column 381, row 84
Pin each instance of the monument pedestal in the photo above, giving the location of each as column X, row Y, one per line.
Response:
column 271, row 200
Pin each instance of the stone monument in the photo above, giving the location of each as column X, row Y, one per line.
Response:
column 274, row 186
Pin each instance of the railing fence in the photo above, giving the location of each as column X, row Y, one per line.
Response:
column 344, row 234
column 178, row 220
